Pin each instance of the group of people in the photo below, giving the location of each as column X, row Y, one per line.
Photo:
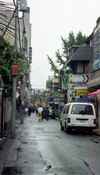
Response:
column 42, row 113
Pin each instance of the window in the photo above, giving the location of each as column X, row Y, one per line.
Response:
column 80, row 68
column 82, row 109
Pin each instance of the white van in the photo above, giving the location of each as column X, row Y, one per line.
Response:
column 78, row 115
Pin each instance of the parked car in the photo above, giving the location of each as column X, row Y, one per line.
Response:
column 78, row 115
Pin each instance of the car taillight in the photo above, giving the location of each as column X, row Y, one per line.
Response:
column 68, row 120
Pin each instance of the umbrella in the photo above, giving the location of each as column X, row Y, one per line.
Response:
column 94, row 93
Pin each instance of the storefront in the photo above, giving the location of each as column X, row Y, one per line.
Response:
column 94, row 89
column 81, row 91
column 77, row 86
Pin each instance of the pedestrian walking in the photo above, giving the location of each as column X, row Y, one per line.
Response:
column 45, row 113
column 40, row 110
column 30, row 109
column 20, row 107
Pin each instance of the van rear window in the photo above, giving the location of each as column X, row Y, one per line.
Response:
column 82, row 109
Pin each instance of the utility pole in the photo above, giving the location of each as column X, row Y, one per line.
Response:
column 13, row 117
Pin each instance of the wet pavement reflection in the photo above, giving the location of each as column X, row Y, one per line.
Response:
column 40, row 148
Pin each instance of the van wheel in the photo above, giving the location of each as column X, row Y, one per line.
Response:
column 67, row 129
column 61, row 127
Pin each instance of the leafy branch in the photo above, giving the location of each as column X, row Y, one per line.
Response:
column 53, row 66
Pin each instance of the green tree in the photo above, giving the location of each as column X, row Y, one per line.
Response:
column 8, row 57
column 65, row 47
column 53, row 66
column 80, row 38
column 68, row 43
column 71, row 39
column 59, row 58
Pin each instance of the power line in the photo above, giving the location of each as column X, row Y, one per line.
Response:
column 6, row 26
column 9, row 23
column 6, row 21
column 7, row 29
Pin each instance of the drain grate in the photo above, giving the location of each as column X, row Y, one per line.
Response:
column 11, row 171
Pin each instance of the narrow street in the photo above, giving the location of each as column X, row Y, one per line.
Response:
column 49, row 66
column 40, row 148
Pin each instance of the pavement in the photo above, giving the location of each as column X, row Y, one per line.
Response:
column 8, row 150
column 20, row 155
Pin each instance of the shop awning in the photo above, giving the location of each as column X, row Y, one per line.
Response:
column 94, row 93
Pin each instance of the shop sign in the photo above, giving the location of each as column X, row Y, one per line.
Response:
column 78, row 78
column 15, row 69
column 80, row 92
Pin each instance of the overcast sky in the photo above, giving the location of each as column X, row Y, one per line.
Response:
column 52, row 18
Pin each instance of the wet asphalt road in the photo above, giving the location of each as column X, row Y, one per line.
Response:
column 45, row 150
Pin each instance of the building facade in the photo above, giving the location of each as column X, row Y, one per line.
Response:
column 23, row 38
column 75, row 74
column 94, row 78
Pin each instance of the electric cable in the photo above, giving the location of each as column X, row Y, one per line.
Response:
column 9, row 23
column 2, row 18
column 6, row 26
column 5, row 6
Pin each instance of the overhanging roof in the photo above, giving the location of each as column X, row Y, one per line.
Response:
column 83, row 53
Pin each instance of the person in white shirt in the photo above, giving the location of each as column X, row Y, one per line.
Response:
column 40, row 110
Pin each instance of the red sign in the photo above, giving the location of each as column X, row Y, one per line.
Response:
column 15, row 69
